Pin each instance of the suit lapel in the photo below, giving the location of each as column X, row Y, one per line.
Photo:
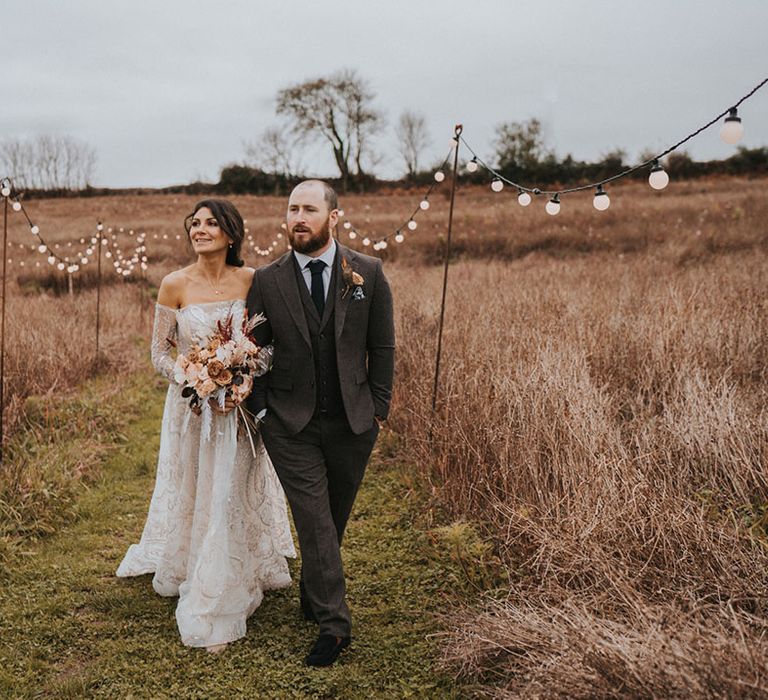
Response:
column 341, row 304
column 286, row 283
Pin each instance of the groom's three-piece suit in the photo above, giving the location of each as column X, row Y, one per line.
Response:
column 331, row 377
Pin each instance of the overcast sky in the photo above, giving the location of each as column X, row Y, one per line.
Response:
column 168, row 91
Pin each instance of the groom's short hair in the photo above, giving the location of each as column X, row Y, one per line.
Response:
column 329, row 194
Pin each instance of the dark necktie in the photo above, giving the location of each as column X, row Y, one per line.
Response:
column 316, row 267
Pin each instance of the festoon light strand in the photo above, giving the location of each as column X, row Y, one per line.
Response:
column 731, row 133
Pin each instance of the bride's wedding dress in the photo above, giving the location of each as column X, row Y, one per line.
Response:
column 217, row 533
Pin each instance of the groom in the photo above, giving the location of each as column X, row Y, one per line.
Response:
column 329, row 317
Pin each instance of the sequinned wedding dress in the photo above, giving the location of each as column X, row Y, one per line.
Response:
column 217, row 533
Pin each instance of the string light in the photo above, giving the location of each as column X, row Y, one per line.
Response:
column 601, row 201
column 439, row 176
column 658, row 179
column 731, row 132
column 424, row 204
column 524, row 199
column 472, row 165
column 732, row 129
column 412, row 225
column 553, row 205
column 497, row 185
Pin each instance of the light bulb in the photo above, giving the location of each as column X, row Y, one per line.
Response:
column 366, row 241
column 524, row 199
column 453, row 143
column 5, row 191
column 732, row 130
column 41, row 248
column 347, row 224
column 424, row 205
column 60, row 266
column 99, row 227
column 412, row 225
column 472, row 166
column 353, row 234
column 35, row 230
column 439, row 176
column 16, row 206
column 279, row 235
column 601, row 201
column 109, row 255
column 399, row 237
column 497, row 185
column 51, row 260
column 382, row 245
column 341, row 212
column 553, row 205
column 658, row 179
column 84, row 261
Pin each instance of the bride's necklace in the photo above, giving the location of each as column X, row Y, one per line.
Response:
column 218, row 283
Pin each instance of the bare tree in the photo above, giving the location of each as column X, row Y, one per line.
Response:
column 412, row 137
column 340, row 109
column 520, row 145
column 48, row 162
column 275, row 152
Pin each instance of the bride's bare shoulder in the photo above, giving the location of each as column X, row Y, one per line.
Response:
column 172, row 287
column 246, row 273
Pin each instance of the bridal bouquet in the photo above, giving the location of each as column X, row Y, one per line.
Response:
column 223, row 367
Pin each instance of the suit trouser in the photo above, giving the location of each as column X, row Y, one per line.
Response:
column 320, row 469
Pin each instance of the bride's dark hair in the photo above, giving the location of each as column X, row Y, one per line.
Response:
column 230, row 222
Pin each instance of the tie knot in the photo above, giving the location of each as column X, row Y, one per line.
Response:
column 316, row 267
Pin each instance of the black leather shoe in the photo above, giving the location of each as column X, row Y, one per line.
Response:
column 306, row 610
column 326, row 650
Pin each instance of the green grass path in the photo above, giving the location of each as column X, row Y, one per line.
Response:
column 69, row 628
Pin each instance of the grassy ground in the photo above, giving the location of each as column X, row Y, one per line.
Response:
column 69, row 628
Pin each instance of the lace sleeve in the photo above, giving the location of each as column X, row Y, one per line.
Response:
column 164, row 336
column 264, row 360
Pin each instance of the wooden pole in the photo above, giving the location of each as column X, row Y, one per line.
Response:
column 99, row 229
column 458, row 131
column 2, row 325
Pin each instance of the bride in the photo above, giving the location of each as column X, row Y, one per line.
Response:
column 217, row 533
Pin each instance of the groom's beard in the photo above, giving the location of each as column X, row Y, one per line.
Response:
column 314, row 242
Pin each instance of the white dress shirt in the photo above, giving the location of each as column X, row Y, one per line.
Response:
column 327, row 257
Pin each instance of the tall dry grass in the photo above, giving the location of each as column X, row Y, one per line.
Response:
column 604, row 418
column 50, row 342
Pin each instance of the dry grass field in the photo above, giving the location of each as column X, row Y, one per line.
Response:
column 602, row 416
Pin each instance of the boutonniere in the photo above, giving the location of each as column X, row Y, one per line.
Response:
column 351, row 279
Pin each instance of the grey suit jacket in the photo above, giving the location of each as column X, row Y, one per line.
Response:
column 364, row 334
